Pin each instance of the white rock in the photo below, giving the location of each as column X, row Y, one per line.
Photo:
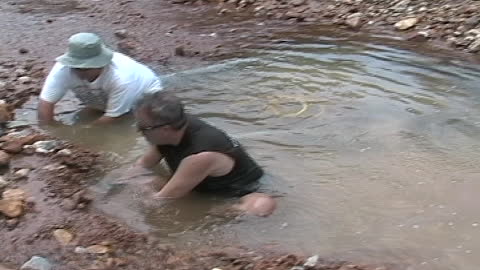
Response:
column 406, row 24
column 25, row 80
column 54, row 167
column 22, row 173
column 80, row 250
column 20, row 72
column 37, row 263
column 473, row 32
column 312, row 261
column 3, row 182
column 45, row 146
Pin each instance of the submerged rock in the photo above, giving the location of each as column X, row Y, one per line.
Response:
column 37, row 263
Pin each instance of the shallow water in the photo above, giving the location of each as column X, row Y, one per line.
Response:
column 376, row 149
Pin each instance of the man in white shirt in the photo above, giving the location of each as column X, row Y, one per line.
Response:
column 100, row 78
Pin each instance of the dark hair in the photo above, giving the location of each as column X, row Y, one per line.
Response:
column 163, row 108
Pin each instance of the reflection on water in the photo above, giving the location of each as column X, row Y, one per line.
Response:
column 376, row 148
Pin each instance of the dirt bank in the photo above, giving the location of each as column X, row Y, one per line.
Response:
column 446, row 23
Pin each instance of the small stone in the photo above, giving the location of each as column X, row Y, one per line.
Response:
column 11, row 208
column 3, row 182
column 98, row 249
column 45, row 146
column 81, row 205
column 474, row 47
column 69, row 204
column 80, row 250
column 64, row 152
column 473, row 32
column 406, row 24
column 311, row 262
column 63, row 236
column 54, row 167
column 22, row 173
column 23, row 51
column 354, row 21
column 121, row 33
column 180, row 51
column 223, row 11
column 419, row 36
column 4, row 159
column 24, row 80
column 297, row 3
column 20, row 72
column 37, row 263
column 14, row 194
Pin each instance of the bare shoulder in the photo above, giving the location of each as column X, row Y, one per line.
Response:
column 215, row 163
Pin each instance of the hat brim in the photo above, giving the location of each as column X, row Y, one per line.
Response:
column 99, row 61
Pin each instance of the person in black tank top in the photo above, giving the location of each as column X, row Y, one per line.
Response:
column 202, row 157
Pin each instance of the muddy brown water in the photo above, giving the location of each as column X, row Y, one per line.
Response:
column 375, row 149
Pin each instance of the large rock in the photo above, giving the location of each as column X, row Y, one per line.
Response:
column 37, row 263
column 11, row 208
column 406, row 24
column 4, row 159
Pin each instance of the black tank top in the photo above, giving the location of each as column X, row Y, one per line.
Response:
column 202, row 137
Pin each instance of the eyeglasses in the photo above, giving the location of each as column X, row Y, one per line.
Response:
column 145, row 129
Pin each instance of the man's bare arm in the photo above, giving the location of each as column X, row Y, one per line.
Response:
column 192, row 171
column 45, row 112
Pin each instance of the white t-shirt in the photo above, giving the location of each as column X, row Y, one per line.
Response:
column 115, row 91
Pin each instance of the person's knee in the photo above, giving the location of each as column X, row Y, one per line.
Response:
column 257, row 204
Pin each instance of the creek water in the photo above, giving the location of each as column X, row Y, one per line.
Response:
column 374, row 149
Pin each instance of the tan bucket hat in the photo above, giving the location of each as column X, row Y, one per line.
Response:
column 86, row 50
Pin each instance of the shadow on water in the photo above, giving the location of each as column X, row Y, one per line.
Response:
column 377, row 149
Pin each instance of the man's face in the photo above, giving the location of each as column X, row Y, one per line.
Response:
column 89, row 74
column 154, row 133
